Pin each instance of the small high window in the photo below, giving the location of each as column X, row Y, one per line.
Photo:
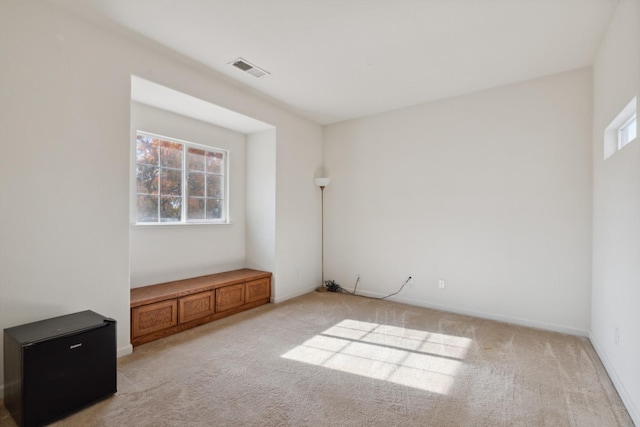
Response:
column 627, row 132
column 179, row 182
column 622, row 129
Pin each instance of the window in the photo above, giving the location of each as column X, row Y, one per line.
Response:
column 179, row 182
column 627, row 132
column 622, row 129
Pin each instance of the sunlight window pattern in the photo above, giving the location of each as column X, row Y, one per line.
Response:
column 419, row 359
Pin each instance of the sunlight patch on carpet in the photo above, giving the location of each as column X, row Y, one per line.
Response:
column 425, row 360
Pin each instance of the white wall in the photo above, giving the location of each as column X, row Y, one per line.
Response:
column 64, row 169
column 490, row 191
column 64, row 172
column 261, row 196
column 616, row 210
column 297, row 212
column 163, row 253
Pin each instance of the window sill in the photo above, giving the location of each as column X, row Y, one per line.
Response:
column 179, row 224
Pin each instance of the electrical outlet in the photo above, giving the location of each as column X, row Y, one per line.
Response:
column 616, row 336
column 441, row 284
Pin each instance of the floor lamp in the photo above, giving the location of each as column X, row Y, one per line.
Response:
column 322, row 182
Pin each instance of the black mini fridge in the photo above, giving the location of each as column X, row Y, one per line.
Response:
column 57, row 366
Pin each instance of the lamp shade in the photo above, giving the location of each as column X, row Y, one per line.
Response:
column 322, row 182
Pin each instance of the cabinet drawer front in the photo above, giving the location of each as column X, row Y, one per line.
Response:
column 195, row 306
column 153, row 317
column 258, row 289
column 229, row 297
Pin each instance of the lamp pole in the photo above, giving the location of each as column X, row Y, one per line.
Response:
column 322, row 230
column 322, row 182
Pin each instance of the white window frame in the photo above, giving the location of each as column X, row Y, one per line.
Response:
column 184, row 190
column 623, row 131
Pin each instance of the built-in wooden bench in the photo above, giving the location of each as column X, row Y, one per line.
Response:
column 168, row 308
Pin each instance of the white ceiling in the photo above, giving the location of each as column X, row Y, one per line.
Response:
column 332, row 60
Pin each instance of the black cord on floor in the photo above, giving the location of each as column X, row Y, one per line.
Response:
column 332, row 286
column 398, row 291
column 355, row 287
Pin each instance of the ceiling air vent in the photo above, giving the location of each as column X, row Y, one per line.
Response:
column 248, row 67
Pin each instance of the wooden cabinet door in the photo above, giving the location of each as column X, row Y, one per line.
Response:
column 153, row 317
column 257, row 290
column 229, row 297
column 195, row 306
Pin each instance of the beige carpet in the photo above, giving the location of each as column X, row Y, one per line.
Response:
column 335, row 360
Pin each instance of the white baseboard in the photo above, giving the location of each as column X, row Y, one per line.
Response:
column 485, row 315
column 124, row 350
column 283, row 298
column 617, row 382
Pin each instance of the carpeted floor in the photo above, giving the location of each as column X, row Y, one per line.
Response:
column 327, row 359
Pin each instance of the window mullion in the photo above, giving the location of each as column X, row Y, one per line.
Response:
column 159, row 185
column 185, row 174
